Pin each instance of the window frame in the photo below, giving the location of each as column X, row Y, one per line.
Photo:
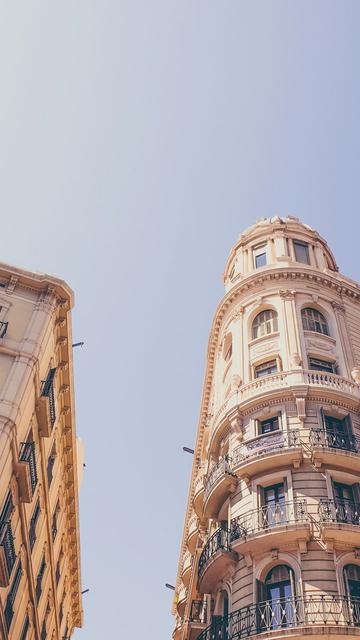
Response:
column 321, row 321
column 270, row 322
column 260, row 365
column 332, row 364
column 303, row 245
column 258, row 251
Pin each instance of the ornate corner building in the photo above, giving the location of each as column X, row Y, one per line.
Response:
column 40, row 586
column 271, row 542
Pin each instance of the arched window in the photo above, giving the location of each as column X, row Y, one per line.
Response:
column 264, row 323
column 277, row 607
column 352, row 585
column 313, row 320
column 352, row 580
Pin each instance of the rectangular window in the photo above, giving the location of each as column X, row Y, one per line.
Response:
column 39, row 579
column 9, row 607
column 259, row 254
column 265, row 369
column 43, row 631
column 57, row 572
column 273, row 510
column 322, row 365
column 33, row 522
column 301, row 250
column 25, row 629
column 6, row 534
column 50, row 466
column 54, row 524
column 272, row 424
column 48, row 391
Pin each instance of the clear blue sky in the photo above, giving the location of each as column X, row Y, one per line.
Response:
column 137, row 139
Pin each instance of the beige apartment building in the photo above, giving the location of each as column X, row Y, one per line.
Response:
column 40, row 586
column 271, row 542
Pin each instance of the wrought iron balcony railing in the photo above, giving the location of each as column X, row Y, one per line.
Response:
column 224, row 466
column 198, row 611
column 324, row 611
column 267, row 517
column 48, row 391
column 339, row 510
column 267, row 443
column 27, row 454
column 333, row 439
column 7, row 542
column 219, row 540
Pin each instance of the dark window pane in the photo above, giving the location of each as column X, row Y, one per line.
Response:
column 301, row 252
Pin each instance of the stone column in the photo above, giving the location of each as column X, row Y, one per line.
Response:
column 291, row 330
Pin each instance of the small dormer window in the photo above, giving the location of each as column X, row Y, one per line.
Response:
column 259, row 253
column 301, row 250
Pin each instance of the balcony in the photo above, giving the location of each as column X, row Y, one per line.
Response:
column 192, row 533
column 221, row 481
column 7, row 554
column 335, row 448
column 198, row 498
column 266, row 452
column 312, row 382
column 181, row 601
column 268, row 527
column 26, row 472
column 319, row 616
column 216, row 558
column 186, row 570
column 339, row 520
column 198, row 618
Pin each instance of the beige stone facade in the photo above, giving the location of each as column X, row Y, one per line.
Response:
column 271, row 543
column 40, row 586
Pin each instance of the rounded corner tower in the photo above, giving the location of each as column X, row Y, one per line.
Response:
column 271, row 542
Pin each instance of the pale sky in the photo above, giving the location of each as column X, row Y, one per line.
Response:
column 138, row 138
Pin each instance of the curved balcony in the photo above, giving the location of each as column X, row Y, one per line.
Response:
column 328, row 384
column 340, row 522
column 215, row 560
column 330, row 447
column 181, row 601
column 198, row 498
column 318, row 616
column 266, row 452
column 176, row 635
column 186, row 570
column 270, row 526
column 220, row 482
column 192, row 533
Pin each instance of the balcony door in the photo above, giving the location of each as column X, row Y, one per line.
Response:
column 338, row 433
column 278, row 607
column 346, row 499
column 352, row 585
column 273, row 509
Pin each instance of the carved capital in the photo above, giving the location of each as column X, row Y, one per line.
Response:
column 338, row 307
column 287, row 294
column 238, row 313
